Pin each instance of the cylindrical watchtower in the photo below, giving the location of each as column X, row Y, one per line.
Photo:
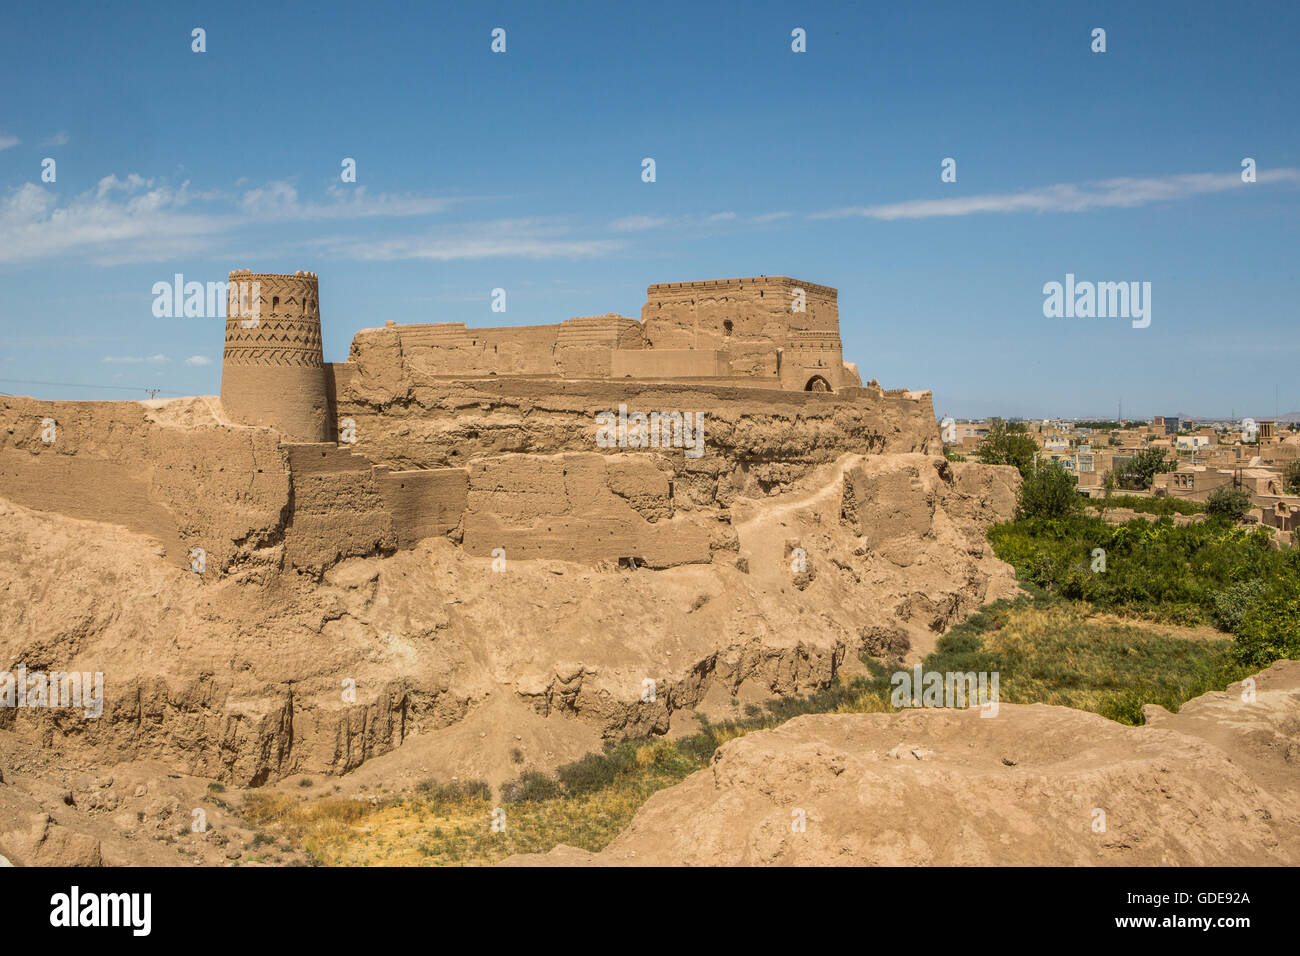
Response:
column 273, row 370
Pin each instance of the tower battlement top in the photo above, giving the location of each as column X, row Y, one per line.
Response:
column 250, row 274
column 741, row 283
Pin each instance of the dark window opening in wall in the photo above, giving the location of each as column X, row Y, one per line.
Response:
column 727, row 326
column 275, row 303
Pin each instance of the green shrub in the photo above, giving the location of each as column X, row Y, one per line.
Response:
column 1291, row 478
column 1008, row 444
column 458, row 791
column 1139, row 472
column 533, row 786
column 1228, row 502
column 1049, row 491
column 1152, row 506
column 1232, row 603
column 1270, row 630
column 596, row 771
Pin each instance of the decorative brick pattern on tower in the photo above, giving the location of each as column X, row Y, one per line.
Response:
column 273, row 370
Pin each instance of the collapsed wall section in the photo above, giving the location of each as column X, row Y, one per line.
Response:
column 219, row 488
column 576, row 348
column 581, row 507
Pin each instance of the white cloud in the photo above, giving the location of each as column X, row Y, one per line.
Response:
column 58, row 139
column 6, row 140
column 1104, row 194
column 519, row 238
column 134, row 219
column 279, row 200
column 198, row 360
column 720, row 216
column 158, row 359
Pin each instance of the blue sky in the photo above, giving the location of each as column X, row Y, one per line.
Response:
column 522, row 171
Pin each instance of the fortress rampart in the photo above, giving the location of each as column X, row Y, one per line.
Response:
column 485, row 436
column 765, row 332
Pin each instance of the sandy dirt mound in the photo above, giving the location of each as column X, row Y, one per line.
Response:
column 1217, row 784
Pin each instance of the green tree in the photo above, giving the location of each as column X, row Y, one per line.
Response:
column 1140, row 471
column 1291, row 478
column 1228, row 502
column 1269, row 630
column 1048, row 492
column 1108, row 492
column 1008, row 444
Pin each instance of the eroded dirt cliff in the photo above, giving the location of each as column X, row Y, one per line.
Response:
column 249, row 678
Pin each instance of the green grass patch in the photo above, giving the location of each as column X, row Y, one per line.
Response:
column 1052, row 652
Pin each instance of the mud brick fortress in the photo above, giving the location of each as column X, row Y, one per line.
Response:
column 485, row 436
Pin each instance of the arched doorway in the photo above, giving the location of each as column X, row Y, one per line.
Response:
column 817, row 384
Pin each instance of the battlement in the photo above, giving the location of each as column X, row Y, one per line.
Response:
column 250, row 274
column 740, row 283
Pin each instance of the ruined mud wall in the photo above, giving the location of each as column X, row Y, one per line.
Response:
column 583, row 507
column 756, row 438
column 538, row 484
column 220, row 488
column 344, row 505
column 576, row 348
column 491, row 463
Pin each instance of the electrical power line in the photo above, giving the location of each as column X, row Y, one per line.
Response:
column 119, row 388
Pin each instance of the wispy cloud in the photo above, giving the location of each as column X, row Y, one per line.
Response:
column 6, row 140
column 198, row 360
column 279, row 200
column 135, row 360
column 689, row 222
column 1082, row 197
column 60, row 138
column 519, row 238
column 134, row 219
